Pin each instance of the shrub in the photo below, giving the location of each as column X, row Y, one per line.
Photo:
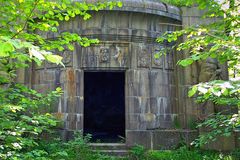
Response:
column 75, row 149
column 21, row 121
column 183, row 153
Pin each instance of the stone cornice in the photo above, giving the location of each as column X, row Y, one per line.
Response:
column 146, row 6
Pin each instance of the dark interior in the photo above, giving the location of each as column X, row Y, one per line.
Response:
column 104, row 109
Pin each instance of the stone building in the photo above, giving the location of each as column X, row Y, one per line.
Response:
column 116, row 90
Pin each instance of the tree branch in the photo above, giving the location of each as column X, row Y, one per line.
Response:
column 25, row 24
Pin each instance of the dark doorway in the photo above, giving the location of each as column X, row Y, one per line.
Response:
column 104, row 106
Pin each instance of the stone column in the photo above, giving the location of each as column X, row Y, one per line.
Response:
column 202, row 71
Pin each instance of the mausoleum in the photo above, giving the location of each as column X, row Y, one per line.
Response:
column 117, row 90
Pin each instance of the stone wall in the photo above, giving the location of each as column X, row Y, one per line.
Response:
column 127, row 44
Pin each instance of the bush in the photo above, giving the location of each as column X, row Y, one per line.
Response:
column 75, row 149
column 182, row 153
column 27, row 132
column 21, row 121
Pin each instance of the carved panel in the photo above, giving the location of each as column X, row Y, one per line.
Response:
column 144, row 57
column 67, row 57
column 120, row 56
column 90, row 58
column 209, row 70
column 169, row 60
column 158, row 62
column 105, row 56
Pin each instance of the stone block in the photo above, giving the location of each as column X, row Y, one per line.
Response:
column 222, row 144
column 71, row 107
column 44, row 88
column 36, row 77
column 138, row 138
column 79, row 103
column 165, row 139
column 169, row 77
column 159, row 105
column 138, row 89
column 190, row 136
column 160, row 90
column 157, row 77
column 73, row 104
column 137, row 104
column 132, row 121
column 73, row 121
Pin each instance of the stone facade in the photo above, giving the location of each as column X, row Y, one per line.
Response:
column 156, row 100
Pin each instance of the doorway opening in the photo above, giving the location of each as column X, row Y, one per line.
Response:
column 104, row 106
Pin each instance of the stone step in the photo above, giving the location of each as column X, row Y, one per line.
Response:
column 108, row 146
column 112, row 149
column 119, row 153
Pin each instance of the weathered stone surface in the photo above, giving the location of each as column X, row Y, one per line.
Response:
column 129, row 45
column 105, row 56
column 160, row 139
column 138, row 137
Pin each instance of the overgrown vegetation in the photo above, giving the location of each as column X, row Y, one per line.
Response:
column 183, row 153
column 75, row 149
column 22, row 123
column 218, row 40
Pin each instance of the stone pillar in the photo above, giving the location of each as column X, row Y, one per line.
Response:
column 203, row 71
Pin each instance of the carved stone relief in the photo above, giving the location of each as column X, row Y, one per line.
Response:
column 144, row 57
column 104, row 55
column 158, row 62
column 120, row 57
column 67, row 57
column 209, row 70
column 90, row 58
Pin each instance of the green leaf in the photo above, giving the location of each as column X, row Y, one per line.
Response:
column 64, row 6
column 157, row 56
column 51, row 12
column 5, row 48
column 66, row 18
column 70, row 47
column 54, row 29
column 119, row 4
column 86, row 16
column 186, row 62
column 192, row 91
column 54, row 58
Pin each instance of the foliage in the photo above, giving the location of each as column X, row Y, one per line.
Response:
column 74, row 149
column 184, row 153
column 178, row 3
column 21, row 120
column 24, row 25
column 218, row 91
column 137, row 152
column 216, row 126
column 219, row 39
